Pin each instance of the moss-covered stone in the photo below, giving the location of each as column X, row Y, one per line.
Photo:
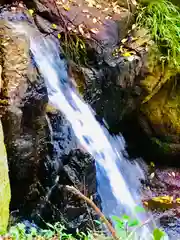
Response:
column 4, row 185
column 162, row 114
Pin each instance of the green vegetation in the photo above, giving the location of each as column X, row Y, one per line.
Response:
column 57, row 231
column 126, row 228
column 74, row 48
column 162, row 19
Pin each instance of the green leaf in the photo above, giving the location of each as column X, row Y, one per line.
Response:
column 122, row 234
column 29, row 237
column 119, row 223
column 98, row 222
column 133, row 223
column 117, row 220
column 139, row 209
column 158, row 234
column 50, row 225
column 14, row 233
column 21, row 226
column 33, row 231
column 125, row 217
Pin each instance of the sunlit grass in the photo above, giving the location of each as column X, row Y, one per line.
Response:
column 162, row 18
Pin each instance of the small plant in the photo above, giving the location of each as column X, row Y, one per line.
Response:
column 19, row 232
column 126, row 229
column 74, row 48
column 162, row 19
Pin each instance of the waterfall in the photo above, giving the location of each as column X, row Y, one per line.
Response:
column 117, row 178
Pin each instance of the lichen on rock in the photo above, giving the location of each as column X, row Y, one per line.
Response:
column 162, row 113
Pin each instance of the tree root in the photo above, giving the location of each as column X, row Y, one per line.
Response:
column 96, row 209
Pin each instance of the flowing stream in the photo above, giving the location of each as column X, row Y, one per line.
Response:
column 118, row 179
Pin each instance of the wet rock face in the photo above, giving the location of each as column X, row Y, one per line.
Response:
column 111, row 89
column 24, row 122
column 61, row 205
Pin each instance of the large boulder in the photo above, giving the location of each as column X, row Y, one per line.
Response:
column 24, row 121
column 158, row 113
column 63, row 206
column 159, row 117
column 39, row 141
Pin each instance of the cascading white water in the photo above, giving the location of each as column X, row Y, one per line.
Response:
column 118, row 179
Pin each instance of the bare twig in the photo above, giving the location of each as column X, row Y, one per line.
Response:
column 97, row 210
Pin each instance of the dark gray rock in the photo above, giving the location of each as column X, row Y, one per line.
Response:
column 78, row 169
column 39, row 145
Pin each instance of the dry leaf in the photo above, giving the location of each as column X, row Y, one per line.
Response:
column 152, row 164
column 87, row 35
column 98, row 6
column 121, row 49
column 108, row 17
column 152, row 175
column 21, row 5
column 85, row 10
column 105, row 9
column 69, row 28
column 133, row 26
column 163, row 199
column 91, row 3
column 94, row 20
column 80, row 27
column 54, row 26
column 146, row 203
column 94, row 30
column 124, row 40
column 31, row 11
column 66, row 7
column 127, row 54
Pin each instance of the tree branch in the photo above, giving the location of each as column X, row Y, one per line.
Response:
column 97, row 210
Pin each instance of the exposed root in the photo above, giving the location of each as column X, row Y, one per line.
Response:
column 96, row 209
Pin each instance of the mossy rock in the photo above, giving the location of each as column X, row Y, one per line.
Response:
column 161, row 115
column 4, row 186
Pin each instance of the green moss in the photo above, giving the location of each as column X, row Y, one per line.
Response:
column 162, row 146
